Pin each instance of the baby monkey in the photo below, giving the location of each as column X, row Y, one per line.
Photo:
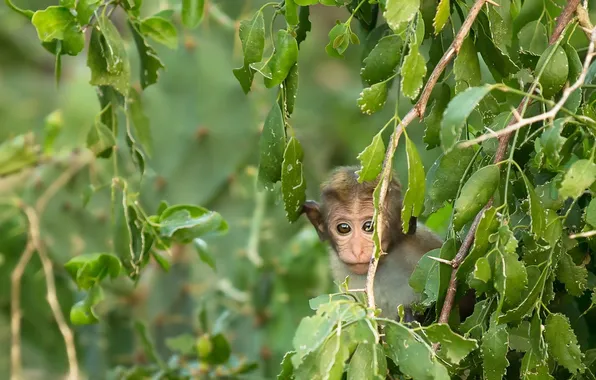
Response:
column 344, row 218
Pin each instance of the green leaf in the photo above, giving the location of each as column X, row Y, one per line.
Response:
column 562, row 343
column 533, row 38
column 448, row 252
column 574, row 277
column 304, row 25
column 291, row 12
column 272, row 147
column 590, row 212
column 184, row 223
column 454, row 347
column 183, row 344
column 161, row 30
column 18, row 153
column 293, row 184
column 107, row 57
column 201, row 247
column 519, row 337
column 413, row 71
column 287, row 369
column 400, row 11
column 368, row 363
column 283, row 59
column 414, row 196
column 82, row 312
column 494, row 347
column 442, row 16
column 458, row 110
column 527, row 305
column 511, row 276
column 414, row 357
column 150, row 64
column 245, row 76
column 466, row 67
column 139, row 119
column 89, row 269
column 554, row 68
column 192, row 12
column 489, row 224
column 252, row 37
column 575, row 70
column 86, row 9
column 304, row 3
column 482, row 270
column 58, row 23
column 371, row 159
column 54, row 124
column 475, row 193
column 291, row 88
column 220, row 350
column 432, row 121
column 100, row 139
column 475, row 324
column 536, row 209
column 578, row 178
column 552, row 142
column 442, row 180
column 382, row 60
column 339, row 40
column 373, row 98
column 425, row 277
column 133, row 7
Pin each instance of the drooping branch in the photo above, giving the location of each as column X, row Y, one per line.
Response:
column 504, row 137
column 417, row 111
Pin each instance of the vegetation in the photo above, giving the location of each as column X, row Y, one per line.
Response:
column 100, row 209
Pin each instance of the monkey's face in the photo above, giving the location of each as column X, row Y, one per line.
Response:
column 351, row 235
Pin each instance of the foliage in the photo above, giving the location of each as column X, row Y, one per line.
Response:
column 530, row 261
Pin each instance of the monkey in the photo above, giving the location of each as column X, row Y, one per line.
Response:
column 344, row 218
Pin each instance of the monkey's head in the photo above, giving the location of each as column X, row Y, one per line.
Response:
column 345, row 215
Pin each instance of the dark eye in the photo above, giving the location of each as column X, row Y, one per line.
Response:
column 368, row 226
column 344, row 228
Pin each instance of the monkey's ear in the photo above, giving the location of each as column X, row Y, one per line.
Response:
column 313, row 213
column 412, row 225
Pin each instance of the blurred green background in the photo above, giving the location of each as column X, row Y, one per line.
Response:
column 205, row 152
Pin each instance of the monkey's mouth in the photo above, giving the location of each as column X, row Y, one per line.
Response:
column 359, row 268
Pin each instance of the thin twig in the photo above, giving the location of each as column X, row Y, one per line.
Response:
column 417, row 111
column 33, row 243
column 502, row 148
column 52, row 298
column 563, row 19
column 547, row 115
column 583, row 234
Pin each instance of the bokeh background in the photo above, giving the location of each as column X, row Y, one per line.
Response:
column 205, row 152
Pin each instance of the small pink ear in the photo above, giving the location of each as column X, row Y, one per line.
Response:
column 313, row 213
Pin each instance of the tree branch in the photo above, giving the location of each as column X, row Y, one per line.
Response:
column 417, row 111
column 504, row 137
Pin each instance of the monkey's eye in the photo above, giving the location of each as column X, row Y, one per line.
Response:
column 368, row 226
column 344, row 228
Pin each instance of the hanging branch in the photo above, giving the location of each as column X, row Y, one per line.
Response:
column 504, row 137
column 416, row 112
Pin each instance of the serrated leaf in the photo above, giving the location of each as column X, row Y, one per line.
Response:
column 57, row 23
column 552, row 142
column 283, row 59
column 415, row 358
column 458, row 110
column 293, row 184
column 577, row 179
column 107, row 57
column 533, row 38
column 442, row 15
column 511, row 277
column 184, row 223
column 272, row 147
column 527, row 305
column 444, row 176
column 192, row 12
column 432, row 137
column 413, row 71
column 140, row 120
column 562, row 343
column 161, row 30
column 252, row 37
column 454, row 347
column 89, row 269
column 150, row 63
column 475, row 193
column 382, row 60
column 466, row 67
column 494, row 347
column 574, row 277
column 400, row 11
column 536, row 209
column 414, row 196
column 475, row 325
column 371, row 159
column 373, row 98
column 519, row 337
